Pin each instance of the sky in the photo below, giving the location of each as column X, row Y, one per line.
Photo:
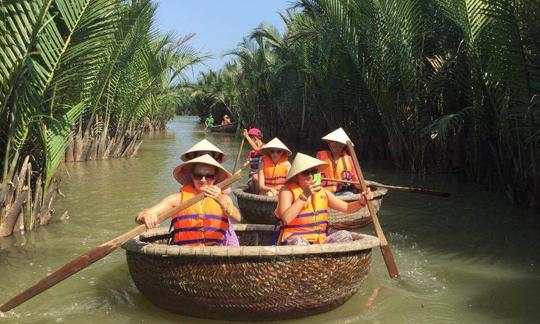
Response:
column 219, row 25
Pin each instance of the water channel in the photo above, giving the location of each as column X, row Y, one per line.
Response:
column 470, row 258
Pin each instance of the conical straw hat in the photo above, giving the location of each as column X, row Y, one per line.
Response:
column 203, row 145
column 338, row 135
column 182, row 173
column 303, row 162
column 275, row 144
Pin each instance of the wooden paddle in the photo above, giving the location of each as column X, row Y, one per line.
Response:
column 100, row 252
column 380, row 185
column 239, row 153
column 385, row 249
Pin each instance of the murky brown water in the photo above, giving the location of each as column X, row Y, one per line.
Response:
column 470, row 258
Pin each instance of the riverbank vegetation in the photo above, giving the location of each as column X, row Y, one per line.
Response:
column 428, row 85
column 79, row 80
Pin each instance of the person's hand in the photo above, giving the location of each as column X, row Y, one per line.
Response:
column 273, row 192
column 366, row 195
column 213, row 192
column 245, row 132
column 311, row 189
column 150, row 219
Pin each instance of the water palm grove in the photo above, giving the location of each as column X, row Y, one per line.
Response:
column 428, row 85
column 79, row 80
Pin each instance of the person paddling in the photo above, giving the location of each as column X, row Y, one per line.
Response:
column 206, row 222
column 206, row 147
column 340, row 165
column 226, row 120
column 209, row 121
column 273, row 167
column 254, row 137
column 303, row 205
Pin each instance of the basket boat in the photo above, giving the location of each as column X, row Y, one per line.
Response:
column 257, row 209
column 229, row 128
column 254, row 282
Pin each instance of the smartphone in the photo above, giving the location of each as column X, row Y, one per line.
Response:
column 317, row 178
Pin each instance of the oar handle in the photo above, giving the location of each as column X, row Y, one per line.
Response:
column 239, row 153
column 100, row 252
column 385, row 249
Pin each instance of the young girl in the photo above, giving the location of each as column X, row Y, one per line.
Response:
column 273, row 167
column 303, row 204
column 340, row 165
column 254, row 136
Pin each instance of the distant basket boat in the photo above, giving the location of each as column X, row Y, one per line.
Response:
column 254, row 282
column 229, row 128
column 257, row 209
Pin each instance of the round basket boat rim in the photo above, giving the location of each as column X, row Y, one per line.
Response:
column 240, row 193
column 139, row 246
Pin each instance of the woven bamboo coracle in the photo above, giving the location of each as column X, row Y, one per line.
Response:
column 257, row 209
column 254, row 282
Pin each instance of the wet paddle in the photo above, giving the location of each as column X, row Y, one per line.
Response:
column 238, row 154
column 410, row 189
column 100, row 252
column 385, row 249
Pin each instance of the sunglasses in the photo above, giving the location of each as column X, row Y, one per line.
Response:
column 310, row 172
column 199, row 176
column 276, row 151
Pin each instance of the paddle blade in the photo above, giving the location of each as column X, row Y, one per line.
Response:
column 393, row 271
column 66, row 271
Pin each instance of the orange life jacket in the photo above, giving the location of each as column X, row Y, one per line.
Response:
column 312, row 221
column 204, row 223
column 342, row 169
column 275, row 174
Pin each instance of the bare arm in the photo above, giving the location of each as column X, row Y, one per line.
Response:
column 149, row 216
column 342, row 206
column 249, row 140
column 287, row 208
column 228, row 207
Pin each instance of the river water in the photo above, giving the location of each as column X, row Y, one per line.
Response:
column 470, row 258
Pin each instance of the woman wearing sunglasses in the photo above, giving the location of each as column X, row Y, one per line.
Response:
column 206, row 222
column 273, row 167
column 303, row 205
column 206, row 147
column 340, row 165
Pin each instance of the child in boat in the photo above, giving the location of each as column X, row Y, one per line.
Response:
column 206, row 222
column 206, row 147
column 254, row 136
column 340, row 165
column 273, row 167
column 303, row 205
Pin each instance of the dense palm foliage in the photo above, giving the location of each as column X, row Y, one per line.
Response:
column 82, row 76
column 430, row 85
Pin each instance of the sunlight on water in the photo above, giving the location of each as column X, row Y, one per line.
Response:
column 470, row 258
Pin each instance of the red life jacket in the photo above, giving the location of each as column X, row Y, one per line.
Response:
column 203, row 223
column 275, row 174
column 254, row 158
column 341, row 169
column 312, row 221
